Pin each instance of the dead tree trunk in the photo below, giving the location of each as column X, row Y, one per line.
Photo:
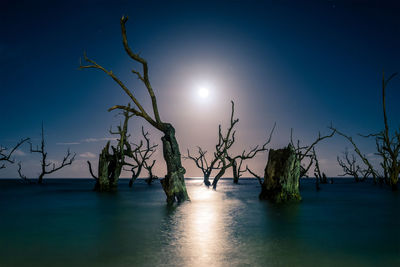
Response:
column 173, row 183
column 390, row 145
column 235, row 172
column 111, row 164
column 149, row 168
column 281, row 177
column 221, row 172
column 102, row 181
column 67, row 160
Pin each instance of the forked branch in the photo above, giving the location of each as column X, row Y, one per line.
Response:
column 6, row 156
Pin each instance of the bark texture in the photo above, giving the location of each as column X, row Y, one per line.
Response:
column 110, row 167
column 281, row 177
column 174, row 182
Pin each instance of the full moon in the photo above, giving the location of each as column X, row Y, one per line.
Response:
column 203, row 92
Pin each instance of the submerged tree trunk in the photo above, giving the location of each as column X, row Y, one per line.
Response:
column 394, row 178
column 281, row 178
column 235, row 172
column 109, row 170
column 103, row 184
column 217, row 177
column 207, row 179
column 174, row 182
column 133, row 179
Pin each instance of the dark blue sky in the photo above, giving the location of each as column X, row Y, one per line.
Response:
column 303, row 64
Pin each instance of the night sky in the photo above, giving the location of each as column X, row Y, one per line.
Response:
column 301, row 64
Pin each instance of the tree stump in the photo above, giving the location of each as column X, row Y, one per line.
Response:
column 281, row 176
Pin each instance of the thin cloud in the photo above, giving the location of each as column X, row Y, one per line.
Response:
column 68, row 144
column 88, row 155
column 91, row 140
column 88, row 140
column 19, row 153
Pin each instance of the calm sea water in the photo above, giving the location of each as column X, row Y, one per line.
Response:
column 64, row 223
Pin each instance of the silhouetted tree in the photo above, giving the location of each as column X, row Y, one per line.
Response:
column 308, row 152
column 6, row 155
column 387, row 146
column 140, row 157
column 224, row 143
column 173, row 183
column 203, row 164
column 351, row 168
column 237, row 167
column 45, row 170
column 227, row 160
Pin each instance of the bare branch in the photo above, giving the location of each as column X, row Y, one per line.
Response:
column 22, row 176
column 67, row 160
column 142, row 113
column 303, row 152
column 6, row 156
column 91, row 171
column 259, row 178
column 362, row 156
column 145, row 78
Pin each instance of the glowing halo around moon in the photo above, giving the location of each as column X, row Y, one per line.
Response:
column 203, row 92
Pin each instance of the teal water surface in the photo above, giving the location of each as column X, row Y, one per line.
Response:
column 65, row 223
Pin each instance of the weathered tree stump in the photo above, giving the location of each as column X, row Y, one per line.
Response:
column 281, row 176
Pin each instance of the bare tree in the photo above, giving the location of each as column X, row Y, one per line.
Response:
column 387, row 146
column 6, row 156
column 369, row 167
column 173, row 183
column 222, row 151
column 45, row 170
column 351, row 168
column 306, row 152
column 203, row 164
column 140, row 157
column 237, row 168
